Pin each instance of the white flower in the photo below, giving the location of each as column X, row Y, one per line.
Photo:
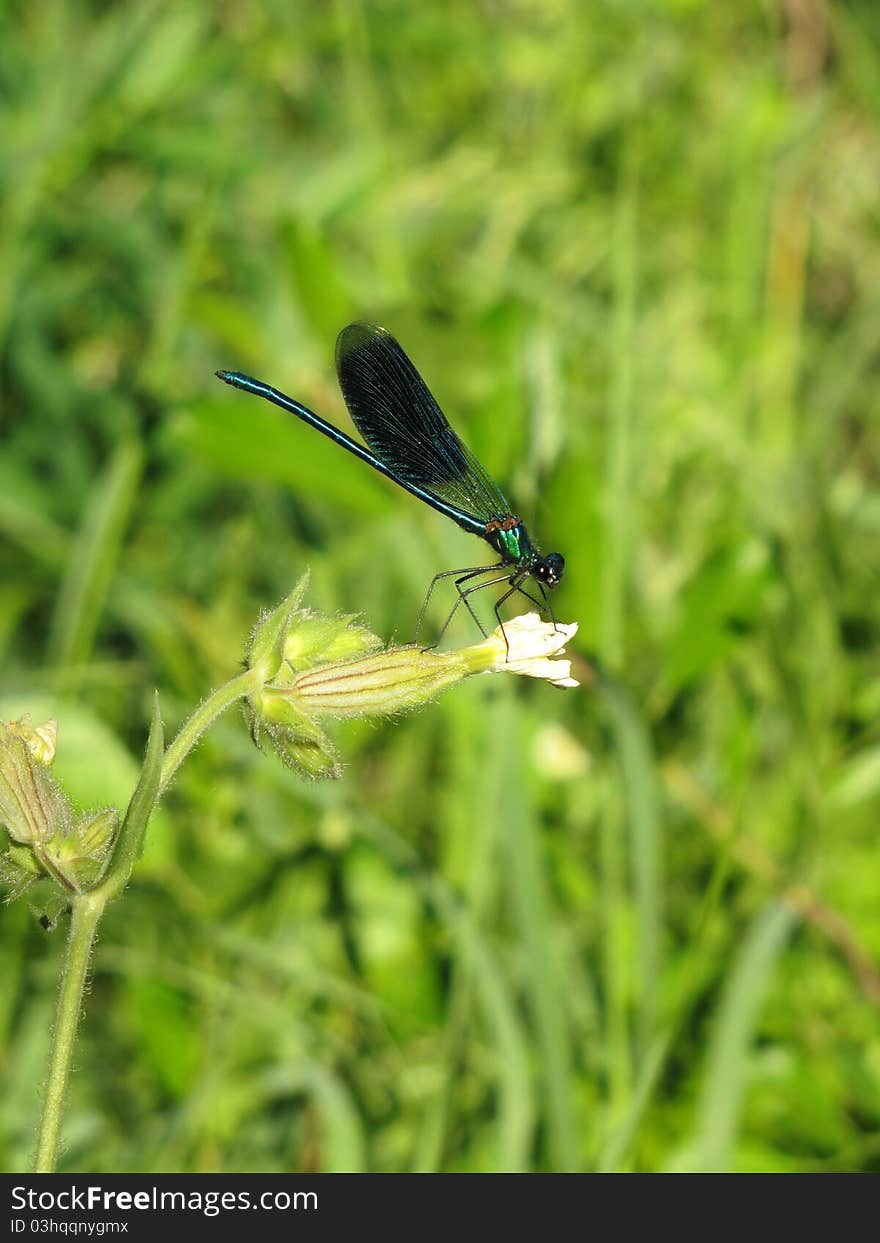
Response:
column 528, row 645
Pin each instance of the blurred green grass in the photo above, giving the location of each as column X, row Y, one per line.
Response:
column 635, row 251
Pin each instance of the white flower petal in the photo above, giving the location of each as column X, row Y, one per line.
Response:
column 526, row 644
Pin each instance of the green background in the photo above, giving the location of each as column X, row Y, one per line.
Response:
column 634, row 248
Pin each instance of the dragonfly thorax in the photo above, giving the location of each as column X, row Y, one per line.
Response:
column 510, row 539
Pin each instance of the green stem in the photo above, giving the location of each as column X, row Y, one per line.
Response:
column 205, row 714
column 87, row 909
column 83, row 925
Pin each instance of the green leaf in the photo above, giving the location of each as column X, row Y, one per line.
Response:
column 270, row 634
column 130, row 844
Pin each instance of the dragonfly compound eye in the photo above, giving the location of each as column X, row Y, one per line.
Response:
column 550, row 570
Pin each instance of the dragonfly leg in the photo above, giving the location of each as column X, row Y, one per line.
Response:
column 502, row 578
column 463, row 598
column 522, row 592
column 543, row 604
column 547, row 605
column 464, row 575
column 514, row 581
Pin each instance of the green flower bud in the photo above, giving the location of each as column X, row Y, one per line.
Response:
column 79, row 856
column 96, row 832
column 18, row 871
column 46, row 838
column 318, row 667
column 314, row 639
column 22, row 857
column 309, row 751
column 382, row 684
column 287, row 641
column 33, row 809
column 299, row 742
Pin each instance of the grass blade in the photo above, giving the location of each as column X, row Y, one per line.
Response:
column 532, row 916
column 92, row 559
column 727, row 1064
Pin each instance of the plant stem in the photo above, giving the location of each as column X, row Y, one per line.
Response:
column 87, row 912
column 207, row 712
column 87, row 909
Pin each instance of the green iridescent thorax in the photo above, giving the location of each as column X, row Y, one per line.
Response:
column 513, row 545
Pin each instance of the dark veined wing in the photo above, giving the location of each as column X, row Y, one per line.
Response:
column 395, row 413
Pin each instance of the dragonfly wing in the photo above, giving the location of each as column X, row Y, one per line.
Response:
column 394, row 411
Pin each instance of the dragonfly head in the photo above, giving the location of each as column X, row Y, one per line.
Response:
column 548, row 570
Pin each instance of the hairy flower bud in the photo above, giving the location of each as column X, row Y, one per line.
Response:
column 47, row 839
column 32, row 807
column 315, row 667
